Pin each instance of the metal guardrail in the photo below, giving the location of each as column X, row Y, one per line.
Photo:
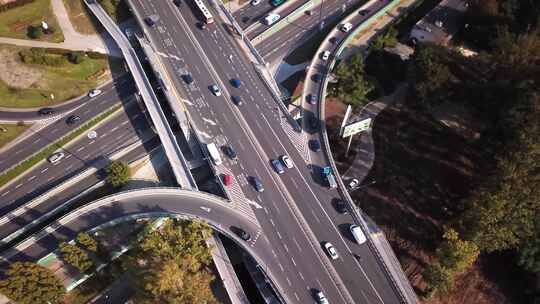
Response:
column 404, row 290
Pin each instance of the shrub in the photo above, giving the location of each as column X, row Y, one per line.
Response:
column 40, row 56
column 35, row 32
column 75, row 57
column 96, row 55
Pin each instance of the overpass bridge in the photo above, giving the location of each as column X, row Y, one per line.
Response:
column 178, row 163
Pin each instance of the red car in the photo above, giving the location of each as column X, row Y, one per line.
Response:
column 227, row 179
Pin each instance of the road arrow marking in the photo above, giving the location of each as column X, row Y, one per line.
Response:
column 206, row 209
column 254, row 204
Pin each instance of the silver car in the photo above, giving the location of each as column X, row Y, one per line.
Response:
column 56, row 157
column 93, row 93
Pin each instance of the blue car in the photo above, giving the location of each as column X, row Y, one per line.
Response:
column 236, row 82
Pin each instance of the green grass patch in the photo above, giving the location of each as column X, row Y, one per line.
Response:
column 35, row 83
column 10, row 132
column 14, row 23
column 44, row 153
column 80, row 18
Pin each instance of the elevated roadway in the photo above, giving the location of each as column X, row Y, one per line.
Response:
column 373, row 14
column 154, row 202
column 296, row 209
column 177, row 161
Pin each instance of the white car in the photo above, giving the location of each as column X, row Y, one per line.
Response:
column 93, row 93
column 56, row 157
column 215, row 90
column 345, row 27
column 286, row 160
column 255, row 2
column 353, row 183
column 321, row 299
column 331, row 250
column 325, row 55
column 129, row 32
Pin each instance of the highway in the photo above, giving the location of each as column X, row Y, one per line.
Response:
column 66, row 106
column 113, row 135
column 86, row 108
column 293, row 35
column 295, row 205
column 250, row 14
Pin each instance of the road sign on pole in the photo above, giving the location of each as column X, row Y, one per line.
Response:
column 356, row 127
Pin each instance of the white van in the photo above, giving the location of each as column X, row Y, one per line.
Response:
column 357, row 233
column 214, row 153
column 345, row 27
column 271, row 19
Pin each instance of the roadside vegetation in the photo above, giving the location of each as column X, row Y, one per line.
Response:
column 171, row 264
column 9, row 132
column 117, row 9
column 24, row 22
column 457, row 160
column 42, row 72
column 79, row 16
column 118, row 173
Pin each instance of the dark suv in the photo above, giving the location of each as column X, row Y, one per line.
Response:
column 46, row 111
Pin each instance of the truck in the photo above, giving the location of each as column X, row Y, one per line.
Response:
column 214, row 153
column 328, row 176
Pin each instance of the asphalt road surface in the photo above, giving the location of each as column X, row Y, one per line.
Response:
column 293, row 203
column 85, row 107
column 113, row 135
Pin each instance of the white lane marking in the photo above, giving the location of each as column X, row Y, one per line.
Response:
column 17, row 152
column 301, row 276
column 31, row 178
column 68, row 168
column 4, row 194
column 213, row 123
column 81, row 148
column 36, row 141
column 296, row 296
column 50, row 178
column 19, row 185
column 279, row 235
column 286, row 247
column 68, row 156
column 281, row 267
column 44, row 170
column 292, row 260
column 114, row 129
column 125, row 122
column 289, row 281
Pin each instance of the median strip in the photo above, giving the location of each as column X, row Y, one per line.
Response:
column 19, row 169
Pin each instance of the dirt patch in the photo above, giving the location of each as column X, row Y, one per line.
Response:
column 424, row 171
column 459, row 119
column 16, row 74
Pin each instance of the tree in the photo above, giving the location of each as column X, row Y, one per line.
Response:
column 30, row 283
column 87, row 242
column 118, row 173
column 353, row 87
column 529, row 253
column 170, row 264
column 76, row 257
column 455, row 254
column 438, row 278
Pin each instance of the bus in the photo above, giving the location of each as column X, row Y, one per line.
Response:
column 204, row 12
column 276, row 3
